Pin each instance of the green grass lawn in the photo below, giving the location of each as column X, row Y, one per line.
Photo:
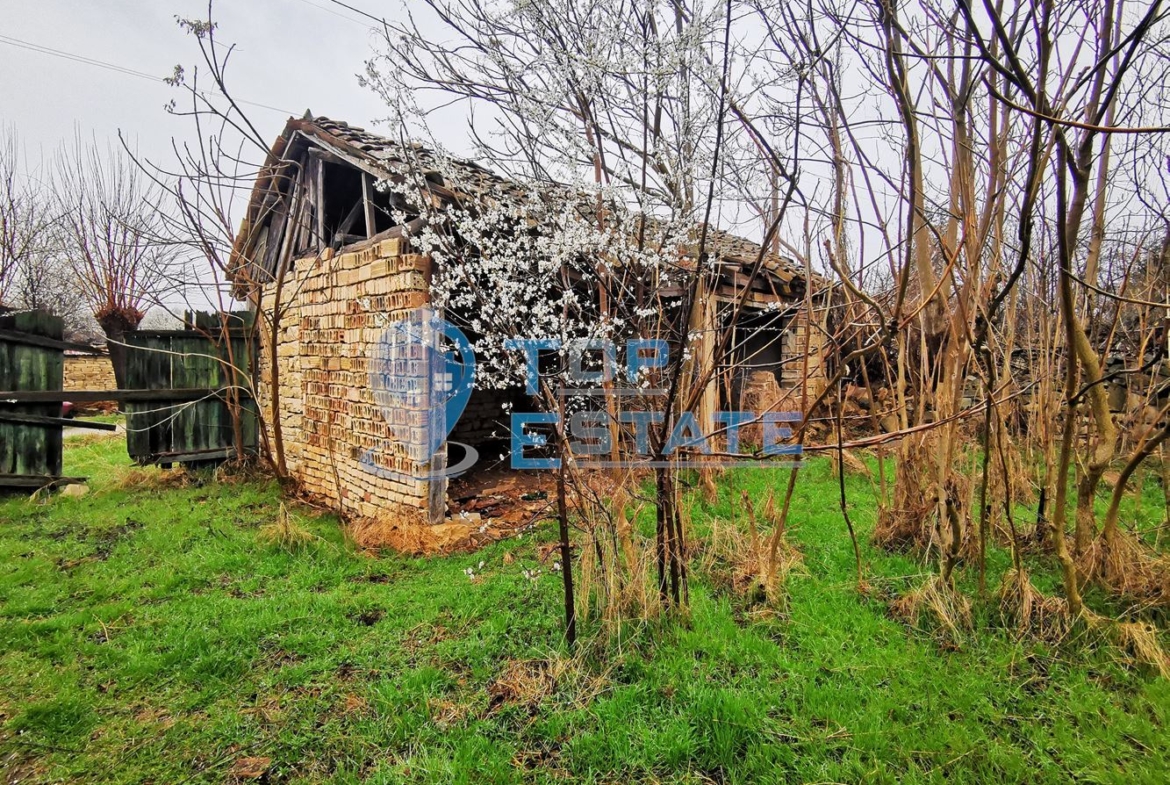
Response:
column 152, row 635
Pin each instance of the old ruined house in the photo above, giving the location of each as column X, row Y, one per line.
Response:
column 319, row 239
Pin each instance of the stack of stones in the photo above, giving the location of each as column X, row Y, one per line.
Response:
column 90, row 372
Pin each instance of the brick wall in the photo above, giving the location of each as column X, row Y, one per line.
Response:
column 338, row 441
column 89, row 372
column 484, row 419
column 353, row 416
column 800, row 339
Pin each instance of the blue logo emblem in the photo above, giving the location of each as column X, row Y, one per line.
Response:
column 422, row 375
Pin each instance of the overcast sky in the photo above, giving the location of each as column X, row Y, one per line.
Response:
column 292, row 55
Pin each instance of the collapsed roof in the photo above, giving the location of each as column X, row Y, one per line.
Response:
column 317, row 190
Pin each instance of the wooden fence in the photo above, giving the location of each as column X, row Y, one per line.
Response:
column 183, row 388
column 187, row 429
column 31, row 374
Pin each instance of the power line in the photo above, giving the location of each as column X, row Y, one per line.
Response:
column 75, row 58
column 120, row 69
column 338, row 14
column 379, row 20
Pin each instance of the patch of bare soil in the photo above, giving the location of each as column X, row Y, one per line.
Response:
column 250, row 768
column 505, row 496
column 484, row 507
column 414, row 537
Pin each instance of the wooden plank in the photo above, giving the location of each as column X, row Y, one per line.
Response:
column 28, row 339
column 342, row 235
column 55, row 422
column 94, row 396
column 209, row 454
column 180, row 383
column 381, row 171
column 197, row 361
column 31, row 359
column 36, row 481
column 40, row 323
column 276, row 228
column 319, row 205
column 214, row 333
column 148, row 425
column 292, row 228
column 238, row 321
column 321, row 154
column 368, row 203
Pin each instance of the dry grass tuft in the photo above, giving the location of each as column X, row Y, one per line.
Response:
column 730, row 557
column 901, row 530
column 907, row 524
column 524, row 683
column 239, row 470
column 742, row 561
column 1048, row 619
column 528, row 683
column 1140, row 641
column 145, row 478
column 937, row 608
column 285, row 532
column 912, row 523
column 853, row 464
column 1031, row 612
column 447, row 713
column 407, row 531
column 615, row 579
column 1128, row 569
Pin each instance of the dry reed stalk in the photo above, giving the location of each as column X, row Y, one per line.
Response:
column 616, row 565
column 740, row 560
column 904, row 525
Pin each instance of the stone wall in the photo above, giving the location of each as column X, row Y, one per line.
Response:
column 89, row 372
column 340, row 442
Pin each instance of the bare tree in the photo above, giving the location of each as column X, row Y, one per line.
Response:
column 108, row 230
column 1004, row 161
column 202, row 185
column 24, row 216
column 627, row 114
column 44, row 281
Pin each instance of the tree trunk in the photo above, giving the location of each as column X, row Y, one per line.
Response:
column 117, row 324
